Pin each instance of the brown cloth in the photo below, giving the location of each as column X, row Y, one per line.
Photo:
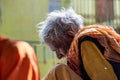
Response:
column 107, row 37
column 61, row 72
column 96, row 66
column 17, row 61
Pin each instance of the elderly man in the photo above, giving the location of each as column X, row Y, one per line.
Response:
column 92, row 52
column 17, row 60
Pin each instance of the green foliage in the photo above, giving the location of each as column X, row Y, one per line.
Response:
column 19, row 18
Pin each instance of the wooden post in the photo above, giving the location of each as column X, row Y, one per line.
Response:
column 104, row 10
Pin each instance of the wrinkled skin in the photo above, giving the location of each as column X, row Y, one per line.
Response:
column 60, row 48
column 59, row 51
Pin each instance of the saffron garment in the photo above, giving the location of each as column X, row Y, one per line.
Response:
column 96, row 63
column 61, row 72
column 17, row 61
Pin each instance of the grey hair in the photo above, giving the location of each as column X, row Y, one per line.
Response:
column 59, row 18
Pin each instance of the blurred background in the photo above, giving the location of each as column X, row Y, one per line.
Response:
column 18, row 19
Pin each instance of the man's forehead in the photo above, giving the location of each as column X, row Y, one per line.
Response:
column 51, row 45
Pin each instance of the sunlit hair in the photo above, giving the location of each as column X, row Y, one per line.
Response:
column 58, row 22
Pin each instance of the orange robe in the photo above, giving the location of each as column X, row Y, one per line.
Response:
column 93, row 61
column 17, row 61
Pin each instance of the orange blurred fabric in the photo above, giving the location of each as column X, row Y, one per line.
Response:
column 17, row 61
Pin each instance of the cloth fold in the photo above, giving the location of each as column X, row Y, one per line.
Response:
column 61, row 72
column 106, row 36
column 17, row 61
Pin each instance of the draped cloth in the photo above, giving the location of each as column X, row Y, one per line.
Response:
column 17, row 61
column 108, row 38
column 61, row 72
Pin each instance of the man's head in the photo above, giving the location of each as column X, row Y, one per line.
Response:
column 58, row 30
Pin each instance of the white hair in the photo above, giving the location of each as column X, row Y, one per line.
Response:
column 59, row 17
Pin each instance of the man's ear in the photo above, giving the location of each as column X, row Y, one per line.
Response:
column 71, row 33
